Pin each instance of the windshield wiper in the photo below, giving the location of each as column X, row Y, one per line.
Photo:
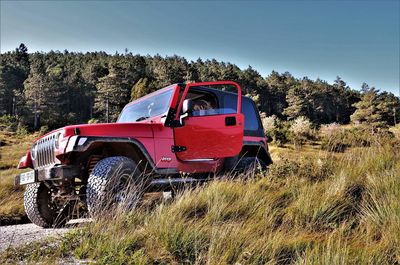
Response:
column 142, row 118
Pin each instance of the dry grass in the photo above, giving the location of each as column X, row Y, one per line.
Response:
column 319, row 209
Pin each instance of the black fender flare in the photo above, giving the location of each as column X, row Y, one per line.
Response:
column 82, row 144
column 249, row 148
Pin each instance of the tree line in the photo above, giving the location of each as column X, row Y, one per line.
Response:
column 57, row 88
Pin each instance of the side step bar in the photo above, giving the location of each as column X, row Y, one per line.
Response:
column 165, row 183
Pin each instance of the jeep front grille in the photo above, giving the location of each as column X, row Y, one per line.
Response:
column 43, row 152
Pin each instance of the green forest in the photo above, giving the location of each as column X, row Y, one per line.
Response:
column 52, row 89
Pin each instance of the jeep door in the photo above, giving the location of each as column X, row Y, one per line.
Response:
column 210, row 133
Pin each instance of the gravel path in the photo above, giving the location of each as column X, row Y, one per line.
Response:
column 14, row 235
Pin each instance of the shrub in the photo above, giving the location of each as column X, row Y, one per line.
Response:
column 283, row 168
column 307, row 168
column 357, row 136
column 301, row 130
column 275, row 129
column 8, row 123
column 329, row 130
column 269, row 123
column 7, row 120
column 270, row 126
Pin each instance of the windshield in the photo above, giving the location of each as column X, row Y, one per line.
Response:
column 146, row 108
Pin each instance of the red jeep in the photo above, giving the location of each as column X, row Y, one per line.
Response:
column 195, row 129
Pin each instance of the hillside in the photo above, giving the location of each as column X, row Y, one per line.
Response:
column 311, row 207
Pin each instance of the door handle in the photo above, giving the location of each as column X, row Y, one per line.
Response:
column 230, row 121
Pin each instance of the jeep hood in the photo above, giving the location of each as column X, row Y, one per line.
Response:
column 132, row 130
column 110, row 130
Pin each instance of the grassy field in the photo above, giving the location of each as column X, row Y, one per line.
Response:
column 312, row 207
column 12, row 148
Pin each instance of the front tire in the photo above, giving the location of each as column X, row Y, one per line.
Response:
column 114, row 181
column 41, row 208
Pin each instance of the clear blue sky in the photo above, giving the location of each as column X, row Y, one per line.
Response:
column 357, row 40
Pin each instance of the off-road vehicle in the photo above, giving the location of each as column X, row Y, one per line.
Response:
column 178, row 134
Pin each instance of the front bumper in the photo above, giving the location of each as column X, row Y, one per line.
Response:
column 53, row 173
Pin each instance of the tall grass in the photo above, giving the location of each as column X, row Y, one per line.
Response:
column 320, row 210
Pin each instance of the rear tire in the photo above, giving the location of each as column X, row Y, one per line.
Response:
column 41, row 208
column 251, row 164
column 114, row 181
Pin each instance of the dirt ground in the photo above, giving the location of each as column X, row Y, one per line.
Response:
column 16, row 235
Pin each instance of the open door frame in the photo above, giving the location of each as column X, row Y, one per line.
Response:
column 211, row 136
column 214, row 83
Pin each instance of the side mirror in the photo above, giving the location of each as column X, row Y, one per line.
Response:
column 187, row 106
column 187, row 109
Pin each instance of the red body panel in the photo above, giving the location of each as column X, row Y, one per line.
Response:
column 165, row 158
column 25, row 161
column 201, row 167
column 163, row 139
column 209, row 137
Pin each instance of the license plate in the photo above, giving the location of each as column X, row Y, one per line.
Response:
column 27, row 177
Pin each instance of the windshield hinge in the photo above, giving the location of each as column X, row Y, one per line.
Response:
column 177, row 148
column 170, row 119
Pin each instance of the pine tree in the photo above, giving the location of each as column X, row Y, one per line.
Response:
column 113, row 90
column 278, row 89
column 140, row 89
column 14, row 69
column 389, row 108
column 367, row 110
column 297, row 103
column 192, row 74
column 34, row 92
column 109, row 97
column 46, row 95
